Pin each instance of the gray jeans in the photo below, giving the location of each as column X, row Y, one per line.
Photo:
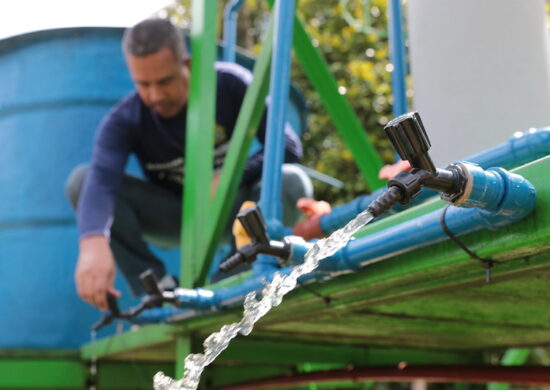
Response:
column 146, row 213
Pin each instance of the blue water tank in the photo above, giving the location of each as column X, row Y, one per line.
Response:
column 56, row 86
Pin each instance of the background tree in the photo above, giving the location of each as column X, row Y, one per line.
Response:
column 352, row 36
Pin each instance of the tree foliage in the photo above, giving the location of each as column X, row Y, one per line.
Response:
column 352, row 36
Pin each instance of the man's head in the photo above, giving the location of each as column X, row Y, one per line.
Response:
column 157, row 60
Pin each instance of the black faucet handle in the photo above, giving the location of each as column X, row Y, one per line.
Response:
column 114, row 312
column 409, row 138
column 150, row 283
column 254, row 224
column 112, row 303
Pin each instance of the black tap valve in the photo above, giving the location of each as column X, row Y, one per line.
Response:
column 114, row 312
column 154, row 297
column 410, row 140
column 253, row 223
column 408, row 137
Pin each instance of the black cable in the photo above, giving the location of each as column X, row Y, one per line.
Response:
column 326, row 299
column 487, row 263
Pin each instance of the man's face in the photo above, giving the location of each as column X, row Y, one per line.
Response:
column 162, row 82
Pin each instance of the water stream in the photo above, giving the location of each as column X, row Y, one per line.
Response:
column 254, row 308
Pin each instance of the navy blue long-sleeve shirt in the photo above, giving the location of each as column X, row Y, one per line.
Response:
column 159, row 144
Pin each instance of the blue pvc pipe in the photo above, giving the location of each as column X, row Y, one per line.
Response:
column 270, row 195
column 505, row 198
column 230, row 15
column 222, row 298
column 520, row 149
column 397, row 58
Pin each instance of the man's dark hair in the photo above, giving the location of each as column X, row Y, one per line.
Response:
column 152, row 35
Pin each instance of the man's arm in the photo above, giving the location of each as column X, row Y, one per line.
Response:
column 95, row 270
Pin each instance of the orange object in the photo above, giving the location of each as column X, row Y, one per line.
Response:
column 311, row 227
column 389, row 171
column 241, row 237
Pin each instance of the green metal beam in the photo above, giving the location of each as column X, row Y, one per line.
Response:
column 126, row 344
column 156, row 343
column 252, row 110
column 183, row 348
column 291, row 352
column 130, row 375
column 199, row 151
column 231, row 281
column 42, row 374
column 40, row 354
column 338, row 107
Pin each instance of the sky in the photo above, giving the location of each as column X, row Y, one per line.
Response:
column 20, row 16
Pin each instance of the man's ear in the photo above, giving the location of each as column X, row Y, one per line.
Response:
column 187, row 62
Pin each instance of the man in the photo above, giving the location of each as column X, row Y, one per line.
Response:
column 118, row 214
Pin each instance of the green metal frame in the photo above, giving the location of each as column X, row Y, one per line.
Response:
column 36, row 373
column 204, row 219
column 155, row 343
column 253, row 108
column 199, row 137
column 50, row 373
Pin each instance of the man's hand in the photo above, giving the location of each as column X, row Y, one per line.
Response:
column 390, row 170
column 310, row 228
column 95, row 271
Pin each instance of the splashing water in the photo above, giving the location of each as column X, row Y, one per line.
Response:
column 254, row 309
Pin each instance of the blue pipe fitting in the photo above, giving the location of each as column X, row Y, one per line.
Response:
column 230, row 15
column 197, row 298
column 520, row 149
column 483, row 188
column 158, row 315
column 206, row 300
column 495, row 198
column 271, row 182
column 298, row 249
column 496, row 189
column 397, row 57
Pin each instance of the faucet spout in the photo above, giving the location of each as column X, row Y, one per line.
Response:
column 409, row 138
column 253, row 223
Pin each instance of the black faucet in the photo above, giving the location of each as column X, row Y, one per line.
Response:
column 155, row 297
column 254, row 225
column 409, row 138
